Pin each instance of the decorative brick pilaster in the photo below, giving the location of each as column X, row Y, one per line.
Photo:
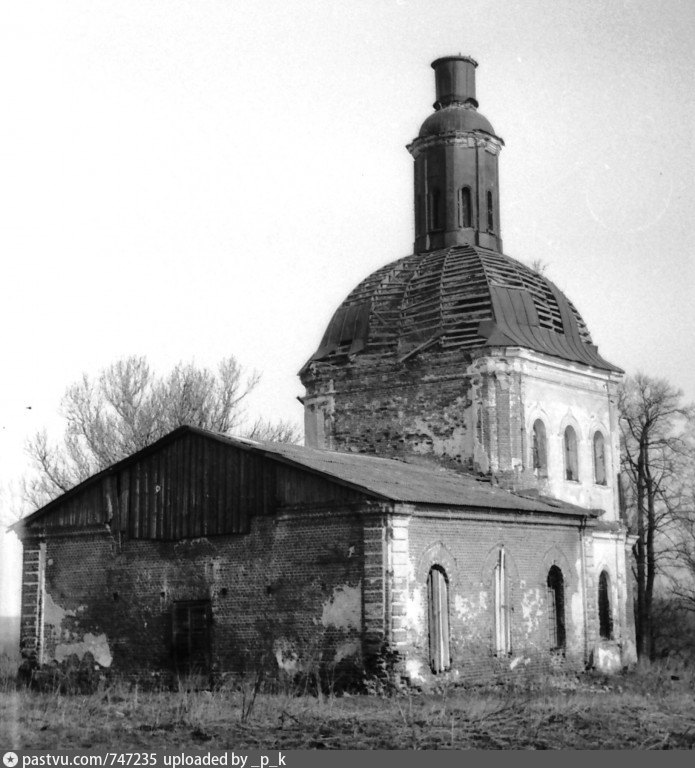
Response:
column 590, row 590
column 399, row 567
column 500, row 422
column 488, row 421
column 374, row 585
column 31, row 627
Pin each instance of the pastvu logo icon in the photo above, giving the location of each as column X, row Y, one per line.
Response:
column 10, row 759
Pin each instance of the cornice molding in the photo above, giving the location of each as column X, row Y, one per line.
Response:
column 471, row 139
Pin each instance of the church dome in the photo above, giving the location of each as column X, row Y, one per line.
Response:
column 455, row 118
column 454, row 299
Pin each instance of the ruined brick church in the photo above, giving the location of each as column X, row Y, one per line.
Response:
column 455, row 510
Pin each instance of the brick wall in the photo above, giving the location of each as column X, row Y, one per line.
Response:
column 451, row 409
column 373, row 406
column 32, row 609
column 288, row 592
column 312, row 588
column 467, row 551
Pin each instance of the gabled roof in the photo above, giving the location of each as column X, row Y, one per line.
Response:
column 413, row 483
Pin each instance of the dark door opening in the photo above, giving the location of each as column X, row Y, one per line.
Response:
column 191, row 636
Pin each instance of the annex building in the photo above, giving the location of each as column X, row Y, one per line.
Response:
column 454, row 513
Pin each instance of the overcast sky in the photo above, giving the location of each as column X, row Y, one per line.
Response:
column 189, row 180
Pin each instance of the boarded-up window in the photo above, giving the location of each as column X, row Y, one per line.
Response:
column 571, row 464
column 605, row 617
column 599, row 459
column 556, row 607
column 464, row 207
column 190, row 624
column 540, row 456
column 438, row 610
column 490, row 214
column 503, row 624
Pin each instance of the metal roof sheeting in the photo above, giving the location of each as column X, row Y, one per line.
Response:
column 405, row 482
column 465, row 297
column 380, row 478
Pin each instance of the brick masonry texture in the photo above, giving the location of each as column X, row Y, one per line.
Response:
column 286, row 595
column 418, row 408
column 468, row 553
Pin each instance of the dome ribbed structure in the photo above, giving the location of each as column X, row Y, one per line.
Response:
column 457, row 298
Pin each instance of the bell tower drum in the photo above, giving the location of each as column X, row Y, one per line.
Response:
column 456, row 174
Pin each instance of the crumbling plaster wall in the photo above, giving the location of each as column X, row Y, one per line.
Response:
column 421, row 407
column 472, row 411
column 287, row 593
column 466, row 549
column 608, row 553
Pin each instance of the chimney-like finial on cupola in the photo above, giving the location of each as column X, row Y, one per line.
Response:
column 454, row 80
column 456, row 178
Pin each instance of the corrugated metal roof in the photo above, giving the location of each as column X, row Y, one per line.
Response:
column 378, row 477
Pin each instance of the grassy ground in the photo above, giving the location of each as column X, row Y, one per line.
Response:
column 648, row 709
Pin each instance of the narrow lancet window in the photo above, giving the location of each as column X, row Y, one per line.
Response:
column 438, row 614
column 464, row 207
column 540, row 456
column 556, row 607
column 490, row 214
column 571, row 464
column 434, row 213
column 503, row 629
column 605, row 617
column 599, row 459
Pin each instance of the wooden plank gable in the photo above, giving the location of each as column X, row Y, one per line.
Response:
column 190, row 486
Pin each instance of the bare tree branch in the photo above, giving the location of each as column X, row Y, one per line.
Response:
column 127, row 407
column 656, row 454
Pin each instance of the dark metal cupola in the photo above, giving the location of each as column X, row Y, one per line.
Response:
column 456, row 173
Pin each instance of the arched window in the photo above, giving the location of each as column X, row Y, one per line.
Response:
column 465, row 208
column 571, row 466
column 490, row 216
column 538, row 448
column 438, row 615
column 434, row 213
column 556, row 607
column 599, row 459
column 605, row 618
column 503, row 625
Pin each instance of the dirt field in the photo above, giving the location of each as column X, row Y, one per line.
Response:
column 653, row 709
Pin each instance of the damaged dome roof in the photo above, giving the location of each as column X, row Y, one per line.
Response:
column 457, row 298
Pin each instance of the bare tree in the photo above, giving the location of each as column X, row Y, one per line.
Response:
column 127, row 406
column 275, row 432
column 655, row 453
